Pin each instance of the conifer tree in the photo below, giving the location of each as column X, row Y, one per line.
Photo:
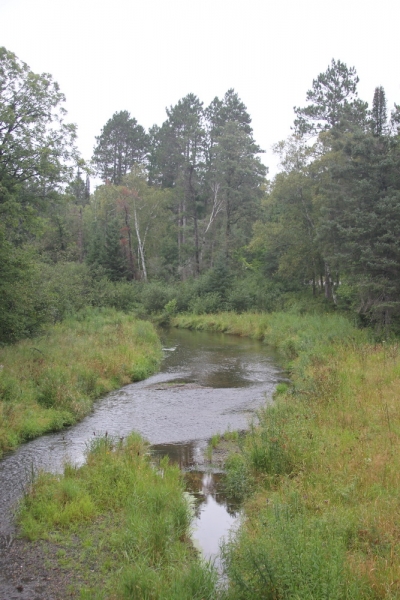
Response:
column 379, row 112
column 121, row 144
column 332, row 102
column 180, row 156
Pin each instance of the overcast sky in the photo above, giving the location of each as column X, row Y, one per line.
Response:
column 144, row 56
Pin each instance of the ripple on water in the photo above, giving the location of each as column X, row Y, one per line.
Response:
column 207, row 384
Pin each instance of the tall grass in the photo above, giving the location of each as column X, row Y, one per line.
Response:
column 126, row 518
column 321, row 470
column 52, row 381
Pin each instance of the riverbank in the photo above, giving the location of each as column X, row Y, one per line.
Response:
column 188, row 411
column 319, row 476
column 118, row 525
column 51, row 381
column 321, row 471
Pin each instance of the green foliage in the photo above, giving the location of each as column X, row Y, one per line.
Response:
column 171, row 307
column 206, row 304
column 265, row 445
column 188, row 204
column 154, row 296
column 239, row 481
column 121, row 144
column 332, row 101
column 379, row 112
column 20, row 313
column 35, row 144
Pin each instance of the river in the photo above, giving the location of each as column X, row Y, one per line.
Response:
column 207, row 383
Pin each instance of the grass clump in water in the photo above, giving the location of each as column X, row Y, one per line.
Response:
column 52, row 381
column 126, row 518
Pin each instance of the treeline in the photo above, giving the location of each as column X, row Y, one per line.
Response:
column 331, row 218
column 185, row 218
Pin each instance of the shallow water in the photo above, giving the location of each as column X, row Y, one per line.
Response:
column 208, row 383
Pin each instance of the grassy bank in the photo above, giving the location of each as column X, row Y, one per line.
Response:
column 120, row 525
column 52, row 381
column 321, row 471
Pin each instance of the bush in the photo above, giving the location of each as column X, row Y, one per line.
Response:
column 154, row 296
column 209, row 303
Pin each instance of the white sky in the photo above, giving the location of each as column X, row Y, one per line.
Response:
column 143, row 56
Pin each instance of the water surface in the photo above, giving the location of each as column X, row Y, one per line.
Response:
column 208, row 383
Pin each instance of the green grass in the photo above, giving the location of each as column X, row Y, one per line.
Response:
column 319, row 475
column 49, row 382
column 320, row 472
column 121, row 524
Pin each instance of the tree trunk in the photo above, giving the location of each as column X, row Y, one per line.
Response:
column 130, row 248
column 329, row 288
column 80, row 235
column 140, row 245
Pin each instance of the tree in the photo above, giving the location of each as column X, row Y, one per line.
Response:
column 180, row 156
column 379, row 112
column 240, row 174
column 359, row 228
column 37, row 151
column 230, row 108
column 106, row 236
column 37, row 157
column 286, row 236
column 234, row 172
column 144, row 205
column 121, row 144
column 332, row 101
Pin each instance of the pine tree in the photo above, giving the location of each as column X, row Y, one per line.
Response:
column 121, row 144
column 333, row 102
column 180, row 158
column 233, row 169
column 359, row 228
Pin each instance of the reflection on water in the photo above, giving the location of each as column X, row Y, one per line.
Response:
column 208, row 383
column 186, row 455
column 208, row 485
column 215, row 511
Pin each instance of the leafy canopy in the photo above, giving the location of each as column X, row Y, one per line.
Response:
column 36, row 146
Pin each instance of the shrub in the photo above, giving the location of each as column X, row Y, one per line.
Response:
column 209, row 303
column 154, row 296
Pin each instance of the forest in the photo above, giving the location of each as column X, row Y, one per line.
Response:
column 186, row 218
column 187, row 229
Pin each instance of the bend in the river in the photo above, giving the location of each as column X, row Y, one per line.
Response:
column 208, row 383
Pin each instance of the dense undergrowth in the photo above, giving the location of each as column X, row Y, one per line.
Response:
column 52, row 380
column 321, row 470
column 121, row 523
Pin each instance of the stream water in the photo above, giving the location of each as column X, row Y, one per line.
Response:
column 207, row 384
